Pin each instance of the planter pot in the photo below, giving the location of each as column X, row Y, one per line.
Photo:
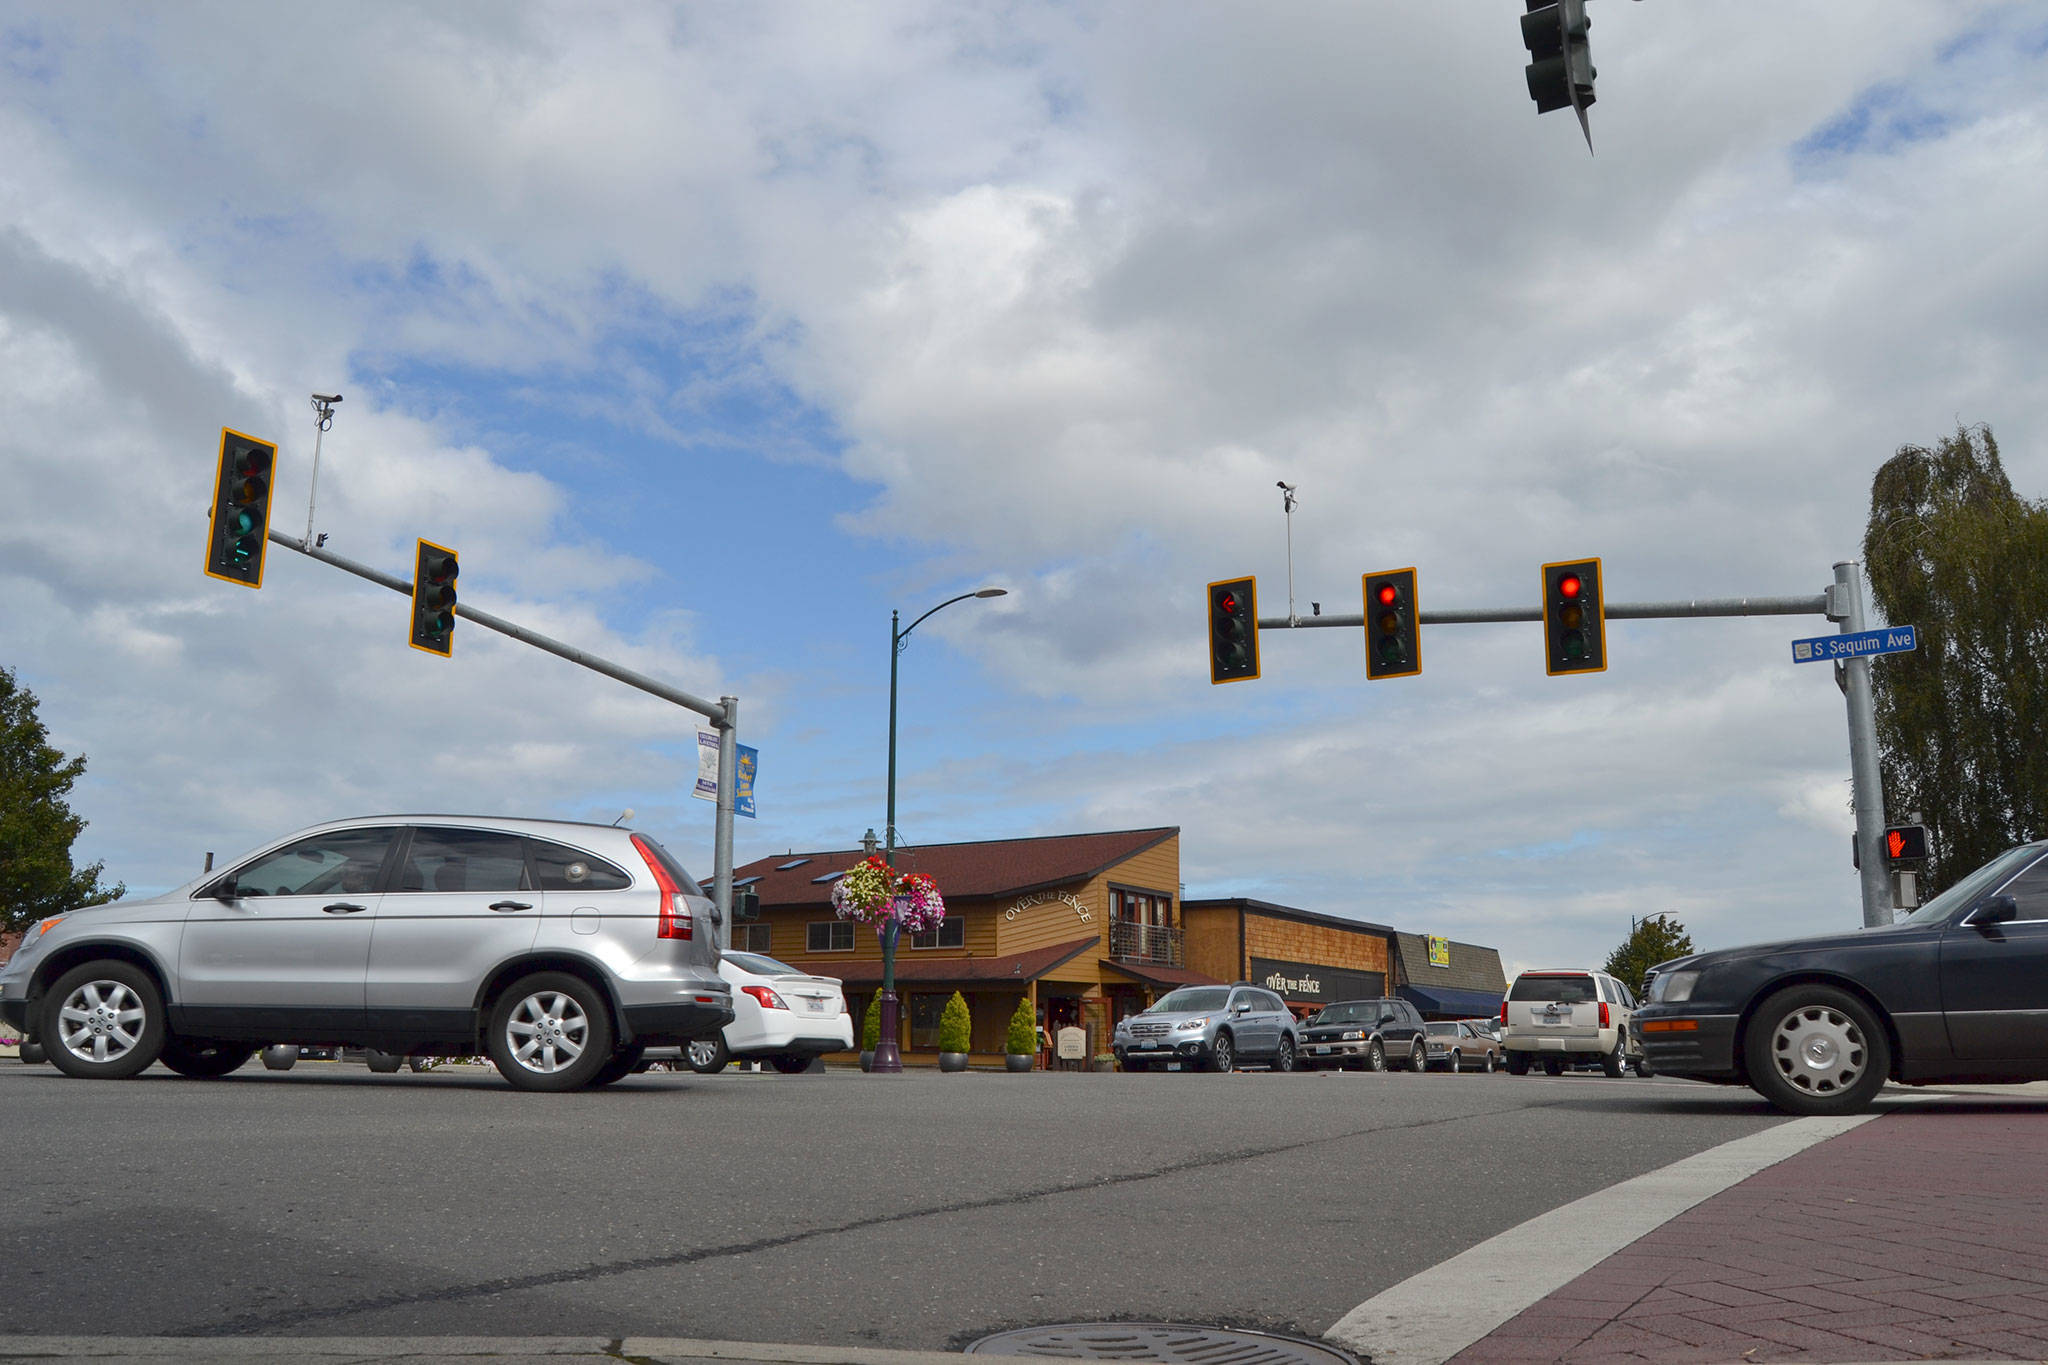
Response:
column 952, row 1061
column 867, row 1060
column 1017, row 1061
column 1102, row 1064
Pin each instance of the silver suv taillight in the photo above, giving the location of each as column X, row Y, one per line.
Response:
column 675, row 918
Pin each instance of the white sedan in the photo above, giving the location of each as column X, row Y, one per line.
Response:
column 779, row 1015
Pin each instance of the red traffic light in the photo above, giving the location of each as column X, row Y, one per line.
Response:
column 1227, row 603
column 1388, row 595
column 1569, row 586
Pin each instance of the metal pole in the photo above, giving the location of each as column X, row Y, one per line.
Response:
column 888, row 1059
column 710, row 709
column 1866, row 782
column 1816, row 605
column 721, row 839
column 323, row 418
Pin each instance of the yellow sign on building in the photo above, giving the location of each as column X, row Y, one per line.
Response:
column 1439, row 951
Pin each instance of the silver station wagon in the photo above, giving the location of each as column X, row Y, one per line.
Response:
column 562, row 951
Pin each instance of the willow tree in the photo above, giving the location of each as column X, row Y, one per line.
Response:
column 1954, row 551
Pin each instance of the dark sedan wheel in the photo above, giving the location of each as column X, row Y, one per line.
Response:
column 1223, row 1054
column 103, row 1021
column 1283, row 1060
column 1376, row 1056
column 202, row 1060
column 1816, row 1050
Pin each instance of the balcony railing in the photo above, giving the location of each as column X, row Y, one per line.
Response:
column 1154, row 943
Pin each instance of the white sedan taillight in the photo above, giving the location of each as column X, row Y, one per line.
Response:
column 675, row 918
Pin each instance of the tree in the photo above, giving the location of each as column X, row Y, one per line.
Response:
column 36, row 826
column 1655, row 939
column 1952, row 550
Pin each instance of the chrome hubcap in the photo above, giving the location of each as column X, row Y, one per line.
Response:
column 547, row 1031
column 100, row 1021
column 1820, row 1050
column 702, row 1052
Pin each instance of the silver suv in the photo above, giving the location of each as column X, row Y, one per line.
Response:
column 562, row 951
column 1209, row 1027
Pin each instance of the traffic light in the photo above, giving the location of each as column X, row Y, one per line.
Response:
column 1233, row 630
column 1393, row 637
column 241, row 509
column 1574, row 622
column 1560, row 74
column 433, row 599
column 1905, row 844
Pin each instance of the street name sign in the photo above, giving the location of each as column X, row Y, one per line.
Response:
column 1855, row 645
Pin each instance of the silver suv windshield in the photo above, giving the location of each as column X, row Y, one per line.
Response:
column 1191, row 1000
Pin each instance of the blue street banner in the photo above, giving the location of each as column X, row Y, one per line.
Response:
column 1856, row 645
column 743, row 781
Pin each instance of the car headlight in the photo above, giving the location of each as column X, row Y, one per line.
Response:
column 1351, row 1036
column 1192, row 1024
column 1673, row 987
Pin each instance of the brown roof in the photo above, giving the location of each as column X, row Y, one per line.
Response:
column 993, row 867
column 1154, row 975
column 1017, row 967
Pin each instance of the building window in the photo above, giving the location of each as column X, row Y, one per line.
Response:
column 829, row 936
column 1140, row 907
column 950, row 933
column 750, row 938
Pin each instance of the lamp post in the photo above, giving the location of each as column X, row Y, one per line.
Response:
column 888, row 1055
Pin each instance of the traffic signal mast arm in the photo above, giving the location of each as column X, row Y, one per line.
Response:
column 1814, row 605
column 719, row 713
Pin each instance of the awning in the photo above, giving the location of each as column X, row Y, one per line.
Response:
column 1153, row 974
column 1454, row 1003
column 1015, row 968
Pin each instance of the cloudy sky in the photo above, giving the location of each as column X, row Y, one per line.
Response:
column 710, row 334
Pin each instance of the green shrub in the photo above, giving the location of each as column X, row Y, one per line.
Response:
column 956, row 1026
column 871, row 1024
column 1022, row 1038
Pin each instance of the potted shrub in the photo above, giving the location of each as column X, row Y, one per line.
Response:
column 1020, row 1043
column 1103, row 1061
column 870, row 1031
column 955, row 1028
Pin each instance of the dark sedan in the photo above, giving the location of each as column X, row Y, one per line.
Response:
column 1956, row 992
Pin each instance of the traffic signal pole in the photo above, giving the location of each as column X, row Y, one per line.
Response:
column 1842, row 603
column 723, row 713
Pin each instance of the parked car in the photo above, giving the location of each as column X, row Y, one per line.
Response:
column 780, row 1015
column 1366, row 1034
column 1567, row 1016
column 1453, row 1045
column 1956, row 992
column 560, row 950
column 1210, row 1028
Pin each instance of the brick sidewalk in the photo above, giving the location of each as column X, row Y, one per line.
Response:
column 1920, row 1235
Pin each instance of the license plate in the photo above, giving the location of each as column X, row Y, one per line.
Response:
column 1173, row 1066
column 1147, row 1047
column 1319, row 1051
column 817, row 1006
column 1558, row 1019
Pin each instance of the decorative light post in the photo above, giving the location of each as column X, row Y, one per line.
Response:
column 888, row 1056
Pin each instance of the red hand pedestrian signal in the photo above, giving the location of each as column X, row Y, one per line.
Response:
column 1895, row 842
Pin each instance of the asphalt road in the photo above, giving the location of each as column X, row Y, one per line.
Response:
column 918, row 1211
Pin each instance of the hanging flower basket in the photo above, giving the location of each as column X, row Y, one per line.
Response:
column 871, row 893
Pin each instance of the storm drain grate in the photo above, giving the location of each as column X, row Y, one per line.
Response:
column 1158, row 1343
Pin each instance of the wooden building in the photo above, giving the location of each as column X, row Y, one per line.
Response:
column 1309, row 959
column 1448, row 980
column 1085, row 926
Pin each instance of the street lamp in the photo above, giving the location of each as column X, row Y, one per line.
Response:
column 888, row 1056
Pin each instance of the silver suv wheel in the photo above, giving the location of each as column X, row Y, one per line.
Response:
column 103, row 1019
column 100, row 1022
column 550, row 1031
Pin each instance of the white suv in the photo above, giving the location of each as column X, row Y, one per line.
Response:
column 1566, row 1016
